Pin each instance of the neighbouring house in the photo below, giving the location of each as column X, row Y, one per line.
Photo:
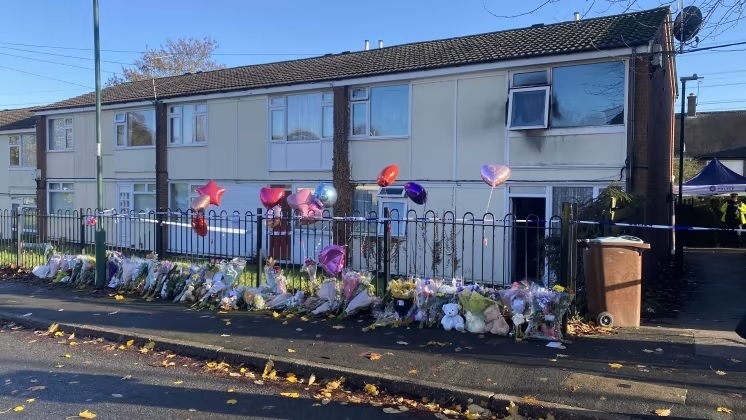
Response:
column 570, row 107
column 18, row 161
column 714, row 134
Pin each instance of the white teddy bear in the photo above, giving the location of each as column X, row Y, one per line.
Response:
column 452, row 319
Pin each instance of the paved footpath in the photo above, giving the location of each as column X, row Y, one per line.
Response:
column 661, row 366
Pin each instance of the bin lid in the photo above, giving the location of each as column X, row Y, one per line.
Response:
column 625, row 240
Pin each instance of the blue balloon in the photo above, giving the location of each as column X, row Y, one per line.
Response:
column 416, row 192
column 326, row 194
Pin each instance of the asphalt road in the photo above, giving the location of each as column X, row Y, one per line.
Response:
column 36, row 374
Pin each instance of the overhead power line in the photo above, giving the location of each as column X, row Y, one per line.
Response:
column 65, row 55
column 44, row 77
column 55, row 62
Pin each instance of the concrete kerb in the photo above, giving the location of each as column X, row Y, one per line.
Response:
column 304, row 368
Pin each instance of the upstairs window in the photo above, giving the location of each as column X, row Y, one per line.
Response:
column 22, row 151
column 60, row 133
column 381, row 111
column 302, row 117
column 135, row 128
column 187, row 124
column 585, row 95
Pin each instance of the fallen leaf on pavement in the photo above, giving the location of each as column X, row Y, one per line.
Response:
column 648, row 351
column 53, row 328
column 71, row 337
column 370, row 389
column 413, row 371
column 231, row 390
column 403, row 343
column 231, row 401
column 326, row 401
column 114, row 313
column 373, row 356
column 663, row 412
column 659, row 350
column 73, row 343
column 720, row 372
column 291, row 351
column 436, row 344
column 275, row 315
column 30, row 400
column 338, row 327
column 311, row 379
column 615, row 365
column 37, row 388
column 734, row 360
column 126, row 377
column 290, row 377
column 117, row 395
column 268, row 368
column 724, row 410
column 18, row 408
column 67, row 356
column 290, row 394
column 118, row 297
column 390, row 410
column 449, row 412
column 130, row 343
column 284, row 323
column 58, row 333
column 178, row 382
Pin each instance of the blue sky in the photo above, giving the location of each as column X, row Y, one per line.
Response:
column 251, row 31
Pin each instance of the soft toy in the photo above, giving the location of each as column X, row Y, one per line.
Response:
column 495, row 322
column 452, row 319
column 474, row 322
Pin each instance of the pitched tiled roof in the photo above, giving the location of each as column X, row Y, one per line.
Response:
column 17, row 119
column 619, row 31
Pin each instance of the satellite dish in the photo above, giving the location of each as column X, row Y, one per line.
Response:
column 687, row 23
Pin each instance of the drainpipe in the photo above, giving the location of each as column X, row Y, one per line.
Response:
column 631, row 122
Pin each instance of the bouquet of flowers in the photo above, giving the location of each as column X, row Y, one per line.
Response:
column 403, row 292
column 548, row 307
column 447, row 293
column 474, row 305
column 359, row 298
column 311, row 267
column 426, row 291
column 518, row 299
column 114, row 275
column 270, row 273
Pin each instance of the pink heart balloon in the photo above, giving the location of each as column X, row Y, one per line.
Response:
column 303, row 197
column 495, row 175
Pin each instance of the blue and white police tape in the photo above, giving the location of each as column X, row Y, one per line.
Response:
column 636, row 225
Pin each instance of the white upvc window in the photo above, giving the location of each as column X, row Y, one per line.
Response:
column 580, row 95
column 61, row 197
column 135, row 128
column 187, row 124
column 380, row 111
column 181, row 195
column 392, row 204
column 22, row 149
column 307, row 116
column 60, row 133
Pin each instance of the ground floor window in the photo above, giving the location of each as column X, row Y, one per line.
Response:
column 138, row 197
column 181, row 195
column 61, row 197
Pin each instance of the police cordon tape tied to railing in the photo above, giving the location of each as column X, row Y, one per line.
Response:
column 525, row 310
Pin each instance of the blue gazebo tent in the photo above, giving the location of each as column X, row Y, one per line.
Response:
column 715, row 179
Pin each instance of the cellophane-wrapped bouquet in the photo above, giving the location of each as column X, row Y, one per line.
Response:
column 358, row 292
column 548, row 307
column 447, row 293
column 327, row 299
column 310, row 266
column 518, row 301
column 474, row 303
column 425, row 290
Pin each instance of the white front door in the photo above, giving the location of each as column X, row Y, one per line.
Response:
column 124, row 233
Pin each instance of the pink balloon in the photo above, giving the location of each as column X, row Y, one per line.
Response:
column 310, row 213
column 495, row 175
column 332, row 258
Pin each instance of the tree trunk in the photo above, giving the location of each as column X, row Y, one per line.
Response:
column 341, row 170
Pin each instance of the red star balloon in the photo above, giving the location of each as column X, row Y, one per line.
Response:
column 213, row 190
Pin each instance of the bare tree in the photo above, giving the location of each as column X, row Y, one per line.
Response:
column 184, row 55
column 718, row 15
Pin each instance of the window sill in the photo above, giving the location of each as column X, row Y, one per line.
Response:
column 300, row 141
column 22, row 168
column 299, row 170
column 62, row 150
column 569, row 131
column 121, row 148
column 178, row 145
column 372, row 138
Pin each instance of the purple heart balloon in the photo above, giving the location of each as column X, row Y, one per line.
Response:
column 495, row 175
column 416, row 192
column 332, row 258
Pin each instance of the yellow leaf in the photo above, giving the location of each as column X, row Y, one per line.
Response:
column 67, row 356
column 178, row 382
column 663, row 412
column 231, row 402
column 58, row 333
column 615, row 365
column 18, row 408
column 121, row 347
column 52, row 328
column 275, row 315
column 291, row 351
column 87, row 415
column 242, row 370
column 130, row 342
column 231, row 390
column 268, row 368
column 291, row 378
column 290, row 394
column 720, row 372
column 374, row 356
column 73, row 343
column 31, row 400
column 311, row 379
column 413, row 371
column 150, row 345
column 370, row 389
column 303, row 318
column 118, row 297
column 724, row 410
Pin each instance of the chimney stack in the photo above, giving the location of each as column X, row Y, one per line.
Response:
column 691, row 105
column 577, row 16
column 380, row 43
column 367, row 45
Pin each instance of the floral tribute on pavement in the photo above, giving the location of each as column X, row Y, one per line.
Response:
column 525, row 310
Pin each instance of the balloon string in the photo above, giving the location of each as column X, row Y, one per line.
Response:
column 489, row 200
